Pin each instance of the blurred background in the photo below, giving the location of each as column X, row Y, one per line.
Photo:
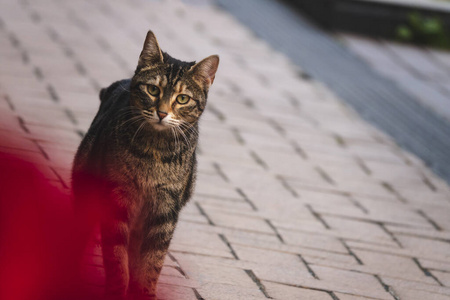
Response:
column 408, row 41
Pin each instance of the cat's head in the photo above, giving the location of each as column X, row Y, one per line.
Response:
column 169, row 92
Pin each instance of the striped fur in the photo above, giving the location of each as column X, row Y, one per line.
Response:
column 142, row 148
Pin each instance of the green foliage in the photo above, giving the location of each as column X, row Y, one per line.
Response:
column 428, row 31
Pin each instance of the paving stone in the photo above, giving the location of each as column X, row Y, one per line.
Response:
column 275, row 259
column 353, row 229
column 442, row 56
column 406, row 252
column 339, row 173
column 368, row 285
column 426, row 248
column 392, row 266
column 326, row 258
column 213, row 186
column 216, row 271
column 238, row 222
column 418, row 295
column 279, row 291
column 229, row 292
column 398, row 213
column 365, row 189
column 414, row 290
column 443, row 277
column 316, row 241
column 177, row 281
column 418, row 71
column 341, row 296
column 230, row 233
column 226, row 205
column 417, row 59
column 426, row 233
column 420, row 195
column 54, row 134
column 435, row 265
column 286, row 276
column 200, row 243
column 171, row 292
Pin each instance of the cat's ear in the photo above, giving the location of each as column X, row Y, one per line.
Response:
column 151, row 53
column 205, row 70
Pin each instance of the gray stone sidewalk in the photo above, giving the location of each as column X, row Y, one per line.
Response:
column 423, row 72
column 378, row 99
column 297, row 197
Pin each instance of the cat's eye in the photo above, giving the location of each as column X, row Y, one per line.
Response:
column 153, row 90
column 183, row 99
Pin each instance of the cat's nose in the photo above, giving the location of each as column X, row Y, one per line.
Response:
column 161, row 115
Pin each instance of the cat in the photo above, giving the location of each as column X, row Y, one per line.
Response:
column 141, row 148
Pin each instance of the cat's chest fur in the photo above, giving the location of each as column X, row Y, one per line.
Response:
column 142, row 171
column 145, row 171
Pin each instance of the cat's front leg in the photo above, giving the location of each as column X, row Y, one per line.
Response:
column 152, row 252
column 115, row 258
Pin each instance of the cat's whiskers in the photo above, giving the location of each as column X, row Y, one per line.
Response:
column 175, row 134
column 178, row 136
column 183, row 134
column 133, row 120
column 193, row 130
column 188, row 127
column 131, row 123
column 144, row 122
column 127, row 111
column 139, row 115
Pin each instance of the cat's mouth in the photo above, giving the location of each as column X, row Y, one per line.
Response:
column 160, row 126
column 156, row 123
column 161, row 122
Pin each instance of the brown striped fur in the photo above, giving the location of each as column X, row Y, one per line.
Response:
column 142, row 148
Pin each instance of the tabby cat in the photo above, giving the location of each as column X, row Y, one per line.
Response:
column 141, row 145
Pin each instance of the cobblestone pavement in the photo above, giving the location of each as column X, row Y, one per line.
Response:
column 297, row 197
column 422, row 72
